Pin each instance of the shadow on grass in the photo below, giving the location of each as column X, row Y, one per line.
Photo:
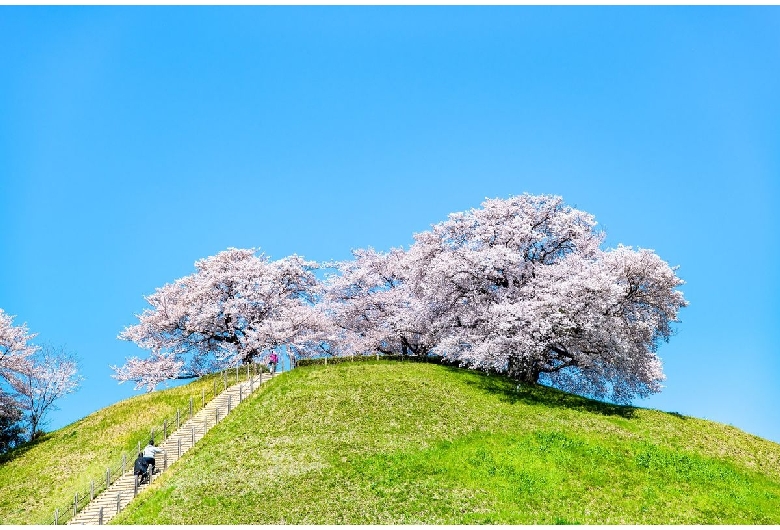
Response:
column 18, row 451
column 509, row 391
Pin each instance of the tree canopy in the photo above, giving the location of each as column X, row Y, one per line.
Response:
column 236, row 306
column 31, row 381
column 520, row 286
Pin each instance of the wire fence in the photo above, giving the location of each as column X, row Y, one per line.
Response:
column 162, row 431
column 429, row 358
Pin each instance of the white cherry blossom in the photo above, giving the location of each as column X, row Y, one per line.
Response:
column 236, row 306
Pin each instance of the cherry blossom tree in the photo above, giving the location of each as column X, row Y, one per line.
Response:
column 15, row 351
column 32, row 379
column 529, row 292
column 520, row 286
column 373, row 304
column 52, row 374
column 236, row 306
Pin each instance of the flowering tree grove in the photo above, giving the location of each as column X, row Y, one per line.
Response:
column 235, row 307
column 520, row 286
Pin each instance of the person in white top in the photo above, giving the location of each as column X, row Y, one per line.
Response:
column 149, row 452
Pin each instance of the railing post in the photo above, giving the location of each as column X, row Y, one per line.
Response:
column 75, row 504
column 178, row 444
column 215, row 387
column 236, row 372
column 224, row 378
column 193, row 436
column 56, row 516
column 135, row 485
column 228, row 410
column 108, row 477
column 124, row 462
column 165, row 430
column 177, row 419
column 240, row 394
column 216, row 415
column 139, row 446
column 203, row 397
column 100, row 516
column 190, row 407
column 165, row 460
column 117, row 502
column 91, row 490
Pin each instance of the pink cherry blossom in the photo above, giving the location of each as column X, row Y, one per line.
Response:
column 15, row 345
column 52, row 375
column 235, row 307
column 33, row 379
column 519, row 286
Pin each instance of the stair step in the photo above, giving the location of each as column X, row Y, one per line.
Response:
column 202, row 421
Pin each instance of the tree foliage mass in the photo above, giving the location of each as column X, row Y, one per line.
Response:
column 521, row 286
column 32, row 380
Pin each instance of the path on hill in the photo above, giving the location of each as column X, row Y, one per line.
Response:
column 110, row 502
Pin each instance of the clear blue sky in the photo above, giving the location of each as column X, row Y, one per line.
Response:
column 134, row 141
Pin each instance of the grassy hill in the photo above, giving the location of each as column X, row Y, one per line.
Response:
column 37, row 478
column 401, row 443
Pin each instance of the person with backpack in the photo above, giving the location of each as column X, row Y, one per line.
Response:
column 272, row 360
column 139, row 467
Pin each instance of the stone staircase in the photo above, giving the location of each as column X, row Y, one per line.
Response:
column 111, row 501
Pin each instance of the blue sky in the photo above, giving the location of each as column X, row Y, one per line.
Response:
column 136, row 140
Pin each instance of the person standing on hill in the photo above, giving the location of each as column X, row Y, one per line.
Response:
column 272, row 360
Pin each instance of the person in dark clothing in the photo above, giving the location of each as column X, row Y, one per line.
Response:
column 139, row 468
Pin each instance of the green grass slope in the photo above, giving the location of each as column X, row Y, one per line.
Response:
column 37, row 478
column 404, row 443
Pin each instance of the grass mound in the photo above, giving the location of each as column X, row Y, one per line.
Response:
column 46, row 474
column 403, row 443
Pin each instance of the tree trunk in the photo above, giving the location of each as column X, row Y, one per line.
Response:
column 523, row 370
column 34, row 427
column 291, row 356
